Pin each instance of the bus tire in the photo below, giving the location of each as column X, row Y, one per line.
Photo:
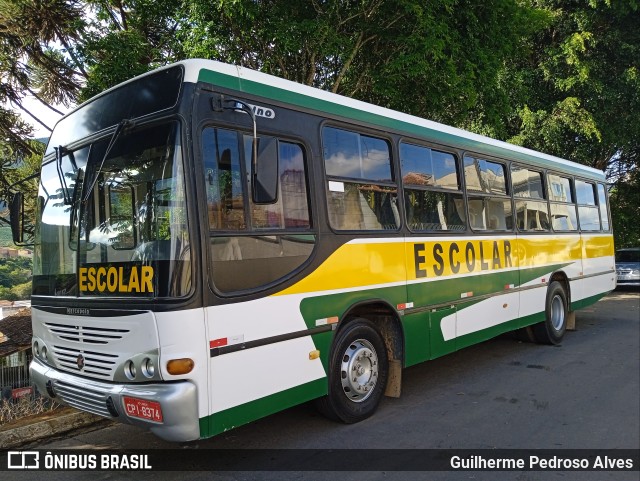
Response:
column 552, row 329
column 358, row 370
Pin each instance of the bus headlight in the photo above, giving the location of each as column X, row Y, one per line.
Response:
column 130, row 370
column 40, row 350
column 147, row 367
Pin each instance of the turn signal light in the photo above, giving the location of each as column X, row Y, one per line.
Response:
column 176, row 367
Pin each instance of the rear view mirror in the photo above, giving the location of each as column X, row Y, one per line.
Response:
column 16, row 214
column 264, row 172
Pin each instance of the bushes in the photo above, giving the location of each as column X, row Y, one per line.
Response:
column 19, row 292
column 15, row 278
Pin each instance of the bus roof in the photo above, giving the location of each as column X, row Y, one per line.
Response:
column 269, row 86
column 313, row 99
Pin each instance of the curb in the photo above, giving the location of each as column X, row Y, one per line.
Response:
column 46, row 428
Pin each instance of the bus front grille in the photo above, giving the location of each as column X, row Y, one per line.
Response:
column 95, row 347
column 85, row 334
column 86, row 398
column 85, row 362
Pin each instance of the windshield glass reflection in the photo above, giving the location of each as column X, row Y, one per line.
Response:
column 130, row 236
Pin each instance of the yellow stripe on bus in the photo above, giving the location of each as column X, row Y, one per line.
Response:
column 363, row 264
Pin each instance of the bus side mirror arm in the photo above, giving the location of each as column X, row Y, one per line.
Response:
column 264, row 164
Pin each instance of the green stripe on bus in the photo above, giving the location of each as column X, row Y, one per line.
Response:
column 245, row 413
column 301, row 100
column 587, row 301
column 422, row 333
column 421, row 295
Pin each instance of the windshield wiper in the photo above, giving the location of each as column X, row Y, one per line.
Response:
column 60, row 153
column 122, row 126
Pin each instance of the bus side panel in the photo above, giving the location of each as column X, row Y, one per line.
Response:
column 540, row 257
column 598, row 269
column 443, row 272
column 177, row 331
column 486, row 319
column 417, row 337
column 252, row 382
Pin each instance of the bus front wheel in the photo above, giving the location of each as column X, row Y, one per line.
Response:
column 358, row 370
column 552, row 329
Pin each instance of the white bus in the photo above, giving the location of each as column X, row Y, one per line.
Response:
column 214, row 244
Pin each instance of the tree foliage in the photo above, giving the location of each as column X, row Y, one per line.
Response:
column 440, row 60
column 554, row 75
column 581, row 96
column 583, row 83
column 15, row 278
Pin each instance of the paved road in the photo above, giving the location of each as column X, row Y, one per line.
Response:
column 499, row 394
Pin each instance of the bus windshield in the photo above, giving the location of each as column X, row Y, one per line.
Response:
column 113, row 221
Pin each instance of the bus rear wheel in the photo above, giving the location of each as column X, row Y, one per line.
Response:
column 553, row 328
column 358, row 370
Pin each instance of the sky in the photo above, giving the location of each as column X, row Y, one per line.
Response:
column 45, row 114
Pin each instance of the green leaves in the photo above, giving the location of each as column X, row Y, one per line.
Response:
column 552, row 132
column 560, row 77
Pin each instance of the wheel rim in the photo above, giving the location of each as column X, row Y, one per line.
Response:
column 557, row 313
column 359, row 370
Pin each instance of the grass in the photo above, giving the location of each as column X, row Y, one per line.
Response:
column 11, row 411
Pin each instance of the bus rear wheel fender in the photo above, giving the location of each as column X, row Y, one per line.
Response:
column 552, row 329
column 358, row 370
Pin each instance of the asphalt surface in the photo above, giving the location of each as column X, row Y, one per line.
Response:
column 501, row 394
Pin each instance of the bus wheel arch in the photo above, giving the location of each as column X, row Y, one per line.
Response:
column 561, row 277
column 386, row 320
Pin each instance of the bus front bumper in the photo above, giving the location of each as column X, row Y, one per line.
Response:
column 176, row 421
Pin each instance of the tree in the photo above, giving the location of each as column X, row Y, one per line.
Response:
column 129, row 38
column 554, row 75
column 441, row 60
column 53, row 50
column 582, row 101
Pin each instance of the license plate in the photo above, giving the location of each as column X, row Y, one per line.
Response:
column 143, row 409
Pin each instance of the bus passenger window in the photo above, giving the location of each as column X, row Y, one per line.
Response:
column 563, row 209
column 223, row 179
column 490, row 205
column 532, row 214
column 291, row 210
column 604, row 211
column 253, row 246
column 484, row 176
column 433, row 200
column 361, row 194
column 588, row 215
column 490, row 213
